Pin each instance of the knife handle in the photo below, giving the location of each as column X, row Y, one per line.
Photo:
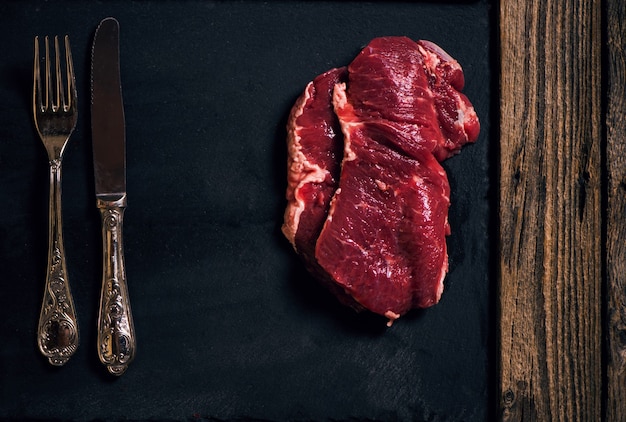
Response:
column 57, row 330
column 116, row 332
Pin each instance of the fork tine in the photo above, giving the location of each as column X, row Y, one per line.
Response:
column 59, row 100
column 47, row 104
column 37, row 103
column 71, row 81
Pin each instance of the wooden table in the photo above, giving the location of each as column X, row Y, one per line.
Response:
column 562, row 280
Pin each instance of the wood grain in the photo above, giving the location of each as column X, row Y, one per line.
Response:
column 550, row 209
column 616, row 211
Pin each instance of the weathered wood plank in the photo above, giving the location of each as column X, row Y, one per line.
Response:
column 616, row 211
column 550, row 228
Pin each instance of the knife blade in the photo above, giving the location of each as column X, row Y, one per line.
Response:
column 116, row 332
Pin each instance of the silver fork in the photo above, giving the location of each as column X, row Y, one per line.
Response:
column 55, row 113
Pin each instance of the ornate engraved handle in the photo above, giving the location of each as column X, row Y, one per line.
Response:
column 57, row 332
column 116, row 333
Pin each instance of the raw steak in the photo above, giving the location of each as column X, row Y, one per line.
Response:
column 367, row 197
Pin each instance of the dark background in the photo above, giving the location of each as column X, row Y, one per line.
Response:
column 229, row 324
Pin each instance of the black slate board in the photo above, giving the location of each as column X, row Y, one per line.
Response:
column 229, row 324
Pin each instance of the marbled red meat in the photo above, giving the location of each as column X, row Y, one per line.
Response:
column 315, row 147
column 367, row 197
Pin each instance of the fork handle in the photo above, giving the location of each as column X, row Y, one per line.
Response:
column 116, row 332
column 57, row 331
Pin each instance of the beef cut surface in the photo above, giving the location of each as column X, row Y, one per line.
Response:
column 367, row 197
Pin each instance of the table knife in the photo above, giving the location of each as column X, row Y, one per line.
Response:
column 116, row 333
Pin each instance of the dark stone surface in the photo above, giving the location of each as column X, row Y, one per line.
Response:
column 229, row 324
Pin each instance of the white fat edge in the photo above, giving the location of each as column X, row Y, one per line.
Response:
column 331, row 208
column 392, row 316
column 431, row 60
column 464, row 110
column 340, row 102
column 460, row 117
column 442, row 274
column 293, row 139
column 298, row 164
column 309, row 173
column 314, row 174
